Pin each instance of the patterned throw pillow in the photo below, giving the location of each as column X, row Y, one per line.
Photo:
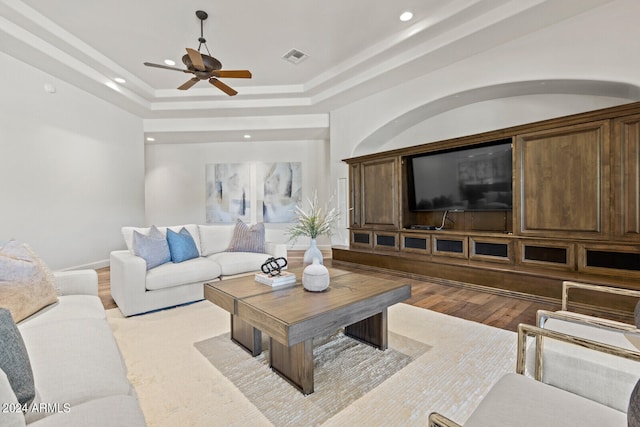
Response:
column 247, row 239
column 14, row 360
column 181, row 245
column 153, row 248
column 26, row 283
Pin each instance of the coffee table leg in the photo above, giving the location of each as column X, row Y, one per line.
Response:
column 372, row 330
column 246, row 336
column 294, row 363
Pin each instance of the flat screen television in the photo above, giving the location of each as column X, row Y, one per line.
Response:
column 476, row 178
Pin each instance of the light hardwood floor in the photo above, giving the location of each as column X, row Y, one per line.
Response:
column 484, row 307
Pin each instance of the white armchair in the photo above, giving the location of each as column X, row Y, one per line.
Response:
column 519, row 400
column 611, row 379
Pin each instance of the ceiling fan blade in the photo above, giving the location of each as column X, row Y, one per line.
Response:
column 196, row 59
column 186, row 85
column 236, row 74
column 223, row 87
column 149, row 64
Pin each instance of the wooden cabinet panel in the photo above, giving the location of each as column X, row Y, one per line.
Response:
column 361, row 239
column 380, row 193
column 564, row 181
column 626, row 178
column 546, row 254
column 355, row 212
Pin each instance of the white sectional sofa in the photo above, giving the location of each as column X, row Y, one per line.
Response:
column 79, row 375
column 137, row 290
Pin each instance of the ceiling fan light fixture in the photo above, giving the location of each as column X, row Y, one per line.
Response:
column 203, row 66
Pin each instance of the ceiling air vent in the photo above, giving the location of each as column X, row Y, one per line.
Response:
column 294, row 56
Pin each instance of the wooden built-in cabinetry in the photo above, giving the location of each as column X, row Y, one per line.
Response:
column 575, row 216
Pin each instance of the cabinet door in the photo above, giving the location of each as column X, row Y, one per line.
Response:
column 563, row 181
column 355, row 210
column 626, row 178
column 380, row 198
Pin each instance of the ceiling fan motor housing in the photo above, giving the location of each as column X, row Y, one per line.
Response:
column 210, row 63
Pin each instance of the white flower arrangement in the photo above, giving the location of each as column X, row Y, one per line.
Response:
column 314, row 222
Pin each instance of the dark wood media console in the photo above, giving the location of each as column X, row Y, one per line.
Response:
column 575, row 212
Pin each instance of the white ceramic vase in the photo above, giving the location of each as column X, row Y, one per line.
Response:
column 312, row 253
column 315, row 277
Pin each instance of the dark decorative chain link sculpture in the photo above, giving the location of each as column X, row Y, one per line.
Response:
column 273, row 266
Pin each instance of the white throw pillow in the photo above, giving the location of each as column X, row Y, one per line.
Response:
column 215, row 238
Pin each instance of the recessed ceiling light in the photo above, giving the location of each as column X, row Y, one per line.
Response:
column 406, row 16
column 150, row 139
column 120, row 80
column 247, row 136
column 170, row 62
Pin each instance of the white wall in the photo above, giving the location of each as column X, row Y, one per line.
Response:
column 496, row 114
column 175, row 176
column 71, row 168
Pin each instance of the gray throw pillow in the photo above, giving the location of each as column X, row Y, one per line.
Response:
column 633, row 412
column 14, row 360
column 153, row 248
column 247, row 239
column 636, row 314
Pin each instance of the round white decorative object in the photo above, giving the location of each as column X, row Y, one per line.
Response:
column 315, row 277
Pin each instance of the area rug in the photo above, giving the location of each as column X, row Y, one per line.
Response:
column 344, row 371
column 177, row 385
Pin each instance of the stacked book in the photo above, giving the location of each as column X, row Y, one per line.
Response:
column 285, row 278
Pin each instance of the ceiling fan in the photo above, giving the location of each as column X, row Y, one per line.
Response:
column 205, row 67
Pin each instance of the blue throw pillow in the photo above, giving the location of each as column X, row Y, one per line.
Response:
column 153, row 248
column 181, row 245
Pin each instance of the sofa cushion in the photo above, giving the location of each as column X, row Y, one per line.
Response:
column 215, row 238
column 10, row 415
column 191, row 271
column 516, row 400
column 14, row 360
column 238, row 262
column 247, row 239
column 152, row 247
column 181, row 245
column 75, row 361
column 597, row 376
column 68, row 307
column 26, row 283
column 112, row 411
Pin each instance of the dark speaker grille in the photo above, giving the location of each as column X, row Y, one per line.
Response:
column 546, row 254
column 361, row 238
column 492, row 249
column 617, row 260
column 385, row 240
column 449, row 246
column 415, row 243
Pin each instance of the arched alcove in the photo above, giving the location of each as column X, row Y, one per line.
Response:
column 512, row 103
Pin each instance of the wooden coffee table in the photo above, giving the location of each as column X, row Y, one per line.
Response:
column 292, row 316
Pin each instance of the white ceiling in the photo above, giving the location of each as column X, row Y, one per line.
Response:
column 355, row 47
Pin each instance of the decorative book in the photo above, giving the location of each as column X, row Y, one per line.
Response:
column 283, row 279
